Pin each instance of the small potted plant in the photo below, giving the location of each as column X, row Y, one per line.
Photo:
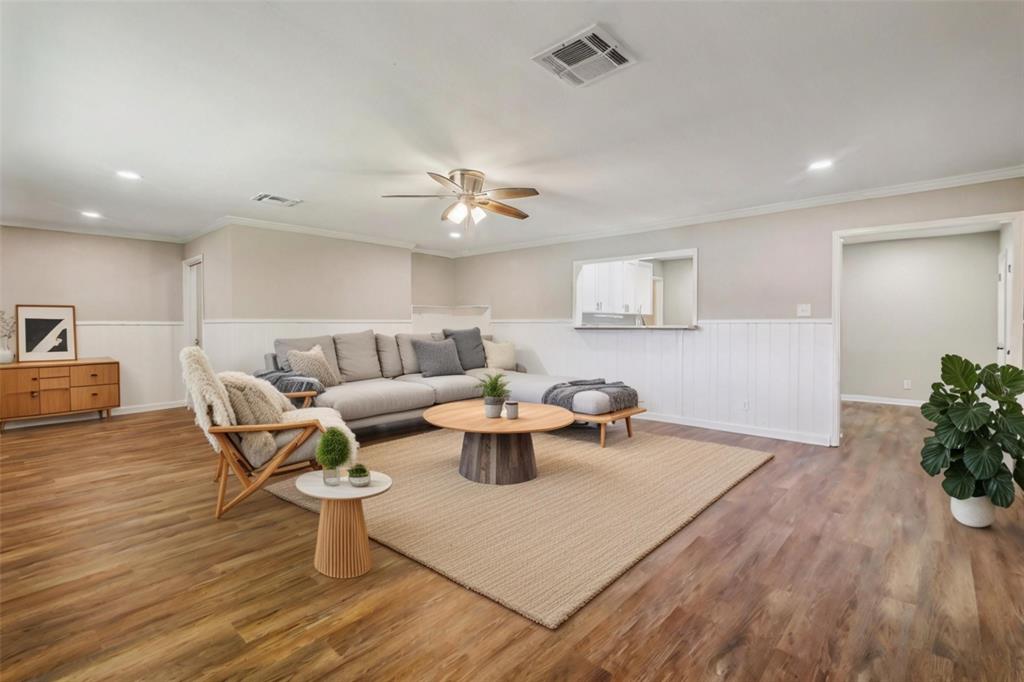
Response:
column 359, row 476
column 972, row 432
column 333, row 452
column 495, row 388
column 6, row 332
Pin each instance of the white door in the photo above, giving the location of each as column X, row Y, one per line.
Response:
column 1002, row 310
column 193, row 301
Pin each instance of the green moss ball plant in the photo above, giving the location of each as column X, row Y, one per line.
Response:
column 333, row 452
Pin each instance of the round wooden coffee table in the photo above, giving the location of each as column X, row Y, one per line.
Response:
column 497, row 451
column 342, row 546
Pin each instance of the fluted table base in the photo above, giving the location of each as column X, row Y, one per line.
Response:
column 342, row 546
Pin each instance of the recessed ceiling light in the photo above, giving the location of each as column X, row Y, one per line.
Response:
column 455, row 235
column 128, row 175
column 91, row 214
column 820, row 165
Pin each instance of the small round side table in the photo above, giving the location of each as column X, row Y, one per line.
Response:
column 342, row 546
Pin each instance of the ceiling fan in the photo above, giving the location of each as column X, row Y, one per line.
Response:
column 471, row 199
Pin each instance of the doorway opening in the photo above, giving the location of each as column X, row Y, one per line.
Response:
column 192, row 299
column 904, row 295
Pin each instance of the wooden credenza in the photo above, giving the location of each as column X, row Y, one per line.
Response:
column 57, row 387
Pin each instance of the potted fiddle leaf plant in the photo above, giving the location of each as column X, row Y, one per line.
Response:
column 359, row 476
column 495, row 390
column 977, row 442
column 332, row 453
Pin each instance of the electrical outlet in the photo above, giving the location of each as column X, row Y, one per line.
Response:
column 746, row 404
column 906, row 384
column 803, row 309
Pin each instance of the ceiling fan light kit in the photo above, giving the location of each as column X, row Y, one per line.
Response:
column 472, row 201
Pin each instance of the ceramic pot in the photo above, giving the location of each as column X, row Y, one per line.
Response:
column 492, row 407
column 332, row 476
column 6, row 354
column 359, row 481
column 976, row 512
column 511, row 409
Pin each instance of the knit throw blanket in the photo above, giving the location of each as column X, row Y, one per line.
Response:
column 289, row 382
column 621, row 396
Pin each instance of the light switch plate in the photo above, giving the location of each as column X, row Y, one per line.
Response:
column 906, row 384
column 803, row 309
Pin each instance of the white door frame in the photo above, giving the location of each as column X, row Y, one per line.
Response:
column 931, row 228
column 186, row 308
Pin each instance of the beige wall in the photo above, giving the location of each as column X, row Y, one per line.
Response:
column 678, row 287
column 908, row 302
column 105, row 278
column 758, row 267
column 216, row 250
column 433, row 280
column 268, row 274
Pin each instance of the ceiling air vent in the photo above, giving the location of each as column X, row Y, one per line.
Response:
column 266, row 198
column 586, row 57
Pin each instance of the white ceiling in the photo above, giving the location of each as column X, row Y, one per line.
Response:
column 340, row 103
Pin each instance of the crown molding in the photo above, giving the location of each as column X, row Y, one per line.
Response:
column 767, row 209
column 301, row 229
column 664, row 224
column 93, row 232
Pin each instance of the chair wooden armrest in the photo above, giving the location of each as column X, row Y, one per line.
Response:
column 307, row 396
column 246, row 428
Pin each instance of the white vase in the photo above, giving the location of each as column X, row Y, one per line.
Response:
column 976, row 512
column 6, row 354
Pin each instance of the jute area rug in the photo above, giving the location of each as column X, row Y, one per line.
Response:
column 543, row 548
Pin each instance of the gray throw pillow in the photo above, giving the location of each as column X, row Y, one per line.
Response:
column 469, row 345
column 406, row 352
column 357, row 356
column 390, row 358
column 437, row 358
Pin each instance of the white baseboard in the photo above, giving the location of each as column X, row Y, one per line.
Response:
column 746, row 429
column 881, row 400
column 90, row 416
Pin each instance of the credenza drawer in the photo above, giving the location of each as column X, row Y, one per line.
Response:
column 50, row 372
column 20, row 405
column 93, row 375
column 54, row 383
column 54, row 402
column 94, row 397
column 19, row 380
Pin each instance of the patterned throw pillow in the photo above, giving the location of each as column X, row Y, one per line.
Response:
column 312, row 363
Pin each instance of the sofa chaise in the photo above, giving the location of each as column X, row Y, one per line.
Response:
column 382, row 385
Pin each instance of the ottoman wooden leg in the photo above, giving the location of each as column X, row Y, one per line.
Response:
column 342, row 546
column 603, row 427
column 629, row 427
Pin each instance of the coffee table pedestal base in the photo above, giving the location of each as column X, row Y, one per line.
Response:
column 498, row 458
column 342, row 546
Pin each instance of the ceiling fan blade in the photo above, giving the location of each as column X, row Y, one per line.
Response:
column 444, row 216
column 509, row 193
column 501, row 209
column 415, row 196
column 445, row 182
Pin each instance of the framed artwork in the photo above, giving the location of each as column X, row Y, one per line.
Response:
column 46, row 332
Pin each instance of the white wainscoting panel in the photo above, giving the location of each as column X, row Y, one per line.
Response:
column 241, row 344
column 762, row 377
column 148, row 353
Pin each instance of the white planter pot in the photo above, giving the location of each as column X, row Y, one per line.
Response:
column 976, row 512
column 6, row 354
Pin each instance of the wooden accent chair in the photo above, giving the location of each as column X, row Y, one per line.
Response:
column 296, row 436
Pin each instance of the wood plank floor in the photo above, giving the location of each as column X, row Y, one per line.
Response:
column 839, row 564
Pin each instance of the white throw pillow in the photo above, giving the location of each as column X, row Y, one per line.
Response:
column 500, row 355
column 312, row 363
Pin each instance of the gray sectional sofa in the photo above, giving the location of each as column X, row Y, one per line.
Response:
column 385, row 388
